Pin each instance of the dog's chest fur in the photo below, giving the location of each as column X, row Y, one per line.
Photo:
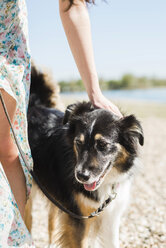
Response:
column 98, row 232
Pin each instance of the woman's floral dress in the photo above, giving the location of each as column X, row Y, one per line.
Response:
column 15, row 80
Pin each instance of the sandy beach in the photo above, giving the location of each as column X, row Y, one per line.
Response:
column 144, row 222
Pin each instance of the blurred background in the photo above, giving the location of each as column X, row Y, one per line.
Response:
column 129, row 40
column 129, row 46
column 128, row 37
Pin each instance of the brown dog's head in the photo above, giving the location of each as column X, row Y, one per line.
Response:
column 101, row 141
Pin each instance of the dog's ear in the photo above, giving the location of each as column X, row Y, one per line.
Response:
column 68, row 113
column 77, row 110
column 131, row 129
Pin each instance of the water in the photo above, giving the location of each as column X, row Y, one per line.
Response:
column 149, row 95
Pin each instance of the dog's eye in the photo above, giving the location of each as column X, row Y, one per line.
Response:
column 102, row 145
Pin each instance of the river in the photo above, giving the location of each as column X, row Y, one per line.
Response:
column 149, row 95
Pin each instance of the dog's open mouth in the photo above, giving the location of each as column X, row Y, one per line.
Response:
column 93, row 186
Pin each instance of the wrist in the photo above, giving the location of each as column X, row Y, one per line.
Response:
column 95, row 95
column 93, row 88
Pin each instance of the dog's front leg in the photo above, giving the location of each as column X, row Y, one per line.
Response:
column 110, row 220
column 112, row 238
column 109, row 230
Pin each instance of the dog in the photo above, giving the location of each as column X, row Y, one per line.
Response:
column 82, row 157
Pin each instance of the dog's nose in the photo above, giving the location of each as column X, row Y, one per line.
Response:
column 83, row 176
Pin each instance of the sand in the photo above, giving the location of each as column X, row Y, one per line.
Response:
column 144, row 222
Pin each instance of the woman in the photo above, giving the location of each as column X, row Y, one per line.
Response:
column 15, row 181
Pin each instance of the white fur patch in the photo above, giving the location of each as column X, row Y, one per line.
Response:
column 92, row 126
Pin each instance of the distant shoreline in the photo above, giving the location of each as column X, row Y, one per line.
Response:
column 126, row 82
column 155, row 95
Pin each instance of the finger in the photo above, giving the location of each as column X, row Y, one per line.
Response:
column 117, row 112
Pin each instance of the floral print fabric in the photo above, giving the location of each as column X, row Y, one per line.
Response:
column 15, row 80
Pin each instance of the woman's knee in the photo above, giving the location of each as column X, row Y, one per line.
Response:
column 8, row 149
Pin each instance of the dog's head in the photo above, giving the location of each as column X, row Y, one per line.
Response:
column 101, row 141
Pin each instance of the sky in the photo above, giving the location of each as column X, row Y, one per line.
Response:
column 129, row 36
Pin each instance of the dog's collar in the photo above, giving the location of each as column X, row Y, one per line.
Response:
column 107, row 201
column 76, row 216
column 44, row 190
column 115, row 187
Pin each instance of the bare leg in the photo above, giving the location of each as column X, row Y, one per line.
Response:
column 9, row 154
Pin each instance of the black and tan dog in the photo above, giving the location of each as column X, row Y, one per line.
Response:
column 79, row 156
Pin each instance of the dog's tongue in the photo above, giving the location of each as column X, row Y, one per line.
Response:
column 90, row 187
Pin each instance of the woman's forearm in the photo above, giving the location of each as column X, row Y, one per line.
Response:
column 77, row 28
column 76, row 24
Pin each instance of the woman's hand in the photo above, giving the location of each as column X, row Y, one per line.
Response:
column 101, row 101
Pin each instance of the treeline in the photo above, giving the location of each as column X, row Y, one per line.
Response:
column 128, row 81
